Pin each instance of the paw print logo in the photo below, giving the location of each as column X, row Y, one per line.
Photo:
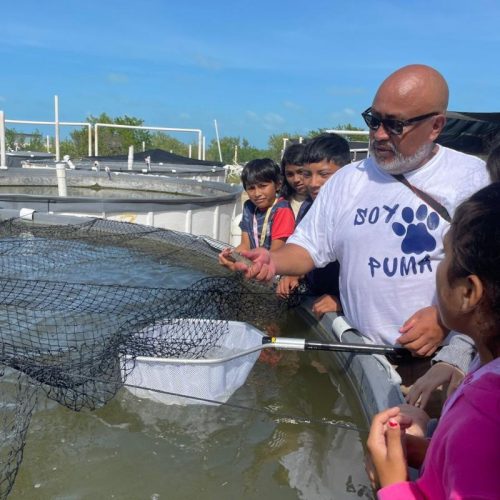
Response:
column 417, row 238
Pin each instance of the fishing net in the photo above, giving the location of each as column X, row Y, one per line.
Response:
column 72, row 329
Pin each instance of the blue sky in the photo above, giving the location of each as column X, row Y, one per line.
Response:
column 258, row 67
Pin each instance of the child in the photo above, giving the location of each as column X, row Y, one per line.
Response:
column 462, row 458
column 293, row 190
column 324, row 155
column 267, row 220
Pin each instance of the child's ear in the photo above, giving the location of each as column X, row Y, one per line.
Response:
column 472, row 292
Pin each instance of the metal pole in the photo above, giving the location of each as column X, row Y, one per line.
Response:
column 203, row 140
column 218, row 141
column 130, row 162
column 56, row 121
column 90, row 138
column 3, row 155
column 96, row 140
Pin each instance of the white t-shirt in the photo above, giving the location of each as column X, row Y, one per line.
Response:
column 387, row 240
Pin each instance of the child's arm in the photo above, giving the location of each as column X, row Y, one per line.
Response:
column 416, row 448
column 439, row 374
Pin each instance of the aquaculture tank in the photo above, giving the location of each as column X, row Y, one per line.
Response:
column 75, row 301
column 181, row 204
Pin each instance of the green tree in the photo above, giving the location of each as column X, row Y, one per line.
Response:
column 112, row 141
column 345, row 127
column 277, row 141
column 14, row 138
column 160, row 140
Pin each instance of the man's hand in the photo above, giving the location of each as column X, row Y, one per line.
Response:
column 423, row 332
column 439, row 374
column 262, row 268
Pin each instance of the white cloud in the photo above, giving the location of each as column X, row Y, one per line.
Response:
column 292, row 105
column 270, row 121
column 117, row 78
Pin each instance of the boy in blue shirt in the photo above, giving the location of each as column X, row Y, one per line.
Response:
column 267, row 219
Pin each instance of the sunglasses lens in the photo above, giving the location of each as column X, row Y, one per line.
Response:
column 371, row 121
column 393, row 126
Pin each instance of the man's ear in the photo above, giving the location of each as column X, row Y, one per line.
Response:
column 437, row 126
column 472, row 293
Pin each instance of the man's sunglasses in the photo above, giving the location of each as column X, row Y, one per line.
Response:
column 391, row 125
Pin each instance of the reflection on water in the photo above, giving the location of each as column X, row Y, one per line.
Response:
column 139, row 449
column 92, row 193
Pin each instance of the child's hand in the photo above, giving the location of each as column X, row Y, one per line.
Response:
column 226, row 260
column 326, row 303
column 386, row 449
column 439, row 374
column 286, row 285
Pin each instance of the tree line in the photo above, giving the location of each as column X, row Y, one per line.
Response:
column 117, row 141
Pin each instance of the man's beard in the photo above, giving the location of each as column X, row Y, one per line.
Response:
column 402, row 164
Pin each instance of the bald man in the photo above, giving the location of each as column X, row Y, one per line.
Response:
column 387, row 240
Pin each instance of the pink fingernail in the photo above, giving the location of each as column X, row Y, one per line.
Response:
column 392, row 423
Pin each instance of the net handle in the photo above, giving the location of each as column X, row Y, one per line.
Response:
column 287, row 343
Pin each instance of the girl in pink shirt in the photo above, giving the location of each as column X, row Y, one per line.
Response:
column 463, row 458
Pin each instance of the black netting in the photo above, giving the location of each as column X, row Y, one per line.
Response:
column 76, row 340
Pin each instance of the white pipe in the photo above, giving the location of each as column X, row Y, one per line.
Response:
column 130, row 162
column 3, row 154
column 73, row 124
column 218, row 141
column 143, row 146
column 141, row 127
column 190, row 151
column 216, row 223
column 203, row 142
column 188, row 222
column 96, row 141
column 200, row 146
column 61, row 179
column 56, row 122
column 348, row 132
column 48, row 144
